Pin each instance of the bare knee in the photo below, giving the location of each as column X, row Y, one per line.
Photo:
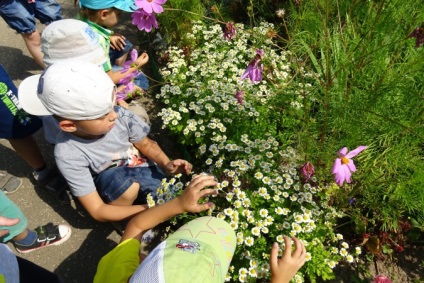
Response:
column 129, row 196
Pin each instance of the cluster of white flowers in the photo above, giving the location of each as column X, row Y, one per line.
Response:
column 261, row 194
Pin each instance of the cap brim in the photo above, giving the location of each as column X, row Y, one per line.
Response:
column 127, row 6
column 28, row 98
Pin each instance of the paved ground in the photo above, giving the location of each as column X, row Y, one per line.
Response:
column 76, row 259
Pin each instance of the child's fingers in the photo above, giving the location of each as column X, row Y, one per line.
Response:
column 4, row 221
column 203, row 206
column 201, row 181
column 273, row 261
column 288, row 247
column 300, row 251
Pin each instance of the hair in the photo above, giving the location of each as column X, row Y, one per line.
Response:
column 90, row 14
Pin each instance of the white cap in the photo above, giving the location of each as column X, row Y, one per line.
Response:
column 70, row 89
column 71, row 39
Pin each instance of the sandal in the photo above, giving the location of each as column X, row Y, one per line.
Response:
column 9, row 183
column 47, row 235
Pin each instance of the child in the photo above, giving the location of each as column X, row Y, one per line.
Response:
column 24, row 239
column 105, row 156
column 73, row 39
column 20, row 15
column 14, row 269
column 199, row 251
column 17, row 127
column 101, row 16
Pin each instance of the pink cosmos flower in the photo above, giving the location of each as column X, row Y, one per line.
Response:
column 418, row 33
column 253, row 72
column 150, row 6
column 129, row 63
column 382, row 279
column 240, row 96
column 126, row 92
column 229, row 31
column 344, row 165
column 307, row 170
column 143, row 20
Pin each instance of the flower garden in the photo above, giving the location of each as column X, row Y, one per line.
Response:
column 310, row 116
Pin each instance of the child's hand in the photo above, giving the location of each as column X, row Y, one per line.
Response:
column 283, row 269
column 141, row 60
column 189, row 200
column 178, row 166
column 117, row 42
column 4, row 221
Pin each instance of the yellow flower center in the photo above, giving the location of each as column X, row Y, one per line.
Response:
column 345, row 160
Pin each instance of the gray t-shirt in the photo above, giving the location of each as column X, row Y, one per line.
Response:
column 80, row 159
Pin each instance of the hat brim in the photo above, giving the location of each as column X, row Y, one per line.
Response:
column 28, row 97
column 127, row 6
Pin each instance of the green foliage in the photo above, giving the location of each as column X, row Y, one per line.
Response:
column 176, row 21
column 368, row 88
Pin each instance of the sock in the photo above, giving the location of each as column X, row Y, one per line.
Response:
column 29, row 239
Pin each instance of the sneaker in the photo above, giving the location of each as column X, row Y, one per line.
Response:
column 9, row 183
column 47, row 235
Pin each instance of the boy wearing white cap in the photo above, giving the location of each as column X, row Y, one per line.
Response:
column 73, row 39
column 200, row 251
column 102, row 151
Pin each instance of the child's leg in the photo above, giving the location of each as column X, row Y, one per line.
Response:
column 125, row 184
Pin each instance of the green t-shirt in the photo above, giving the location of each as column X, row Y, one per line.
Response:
column 119, row 264
column 103, row 37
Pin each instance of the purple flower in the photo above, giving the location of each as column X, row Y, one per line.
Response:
column 352, row 201
column 229, row 31
column 144, row 20
column 150, row 6
column 344, row 165
column 123, row 94
column 382, row 279
column 240, row 96
column 307, row 170
column 128, row 64
column 253, row 72
column 129, row 77
column 418, row 33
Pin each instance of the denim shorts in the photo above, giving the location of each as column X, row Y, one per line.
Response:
column 20, row 15
column 115, row 54
column 114, row 182
column 10, row 210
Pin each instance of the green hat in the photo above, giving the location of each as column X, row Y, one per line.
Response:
column 200, row 251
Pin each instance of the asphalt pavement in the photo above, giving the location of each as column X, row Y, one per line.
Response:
column 76, row 259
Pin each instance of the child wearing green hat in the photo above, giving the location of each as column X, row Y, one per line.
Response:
column 200, row 251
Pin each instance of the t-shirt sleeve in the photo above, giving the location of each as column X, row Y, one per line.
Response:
column 75, row 169
column 120, row 263
column 137, row 128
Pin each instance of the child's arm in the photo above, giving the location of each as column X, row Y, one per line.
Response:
column 187, row 202
column 283, row 269
column 103, row 212
column 152, row 151
column 138, row 63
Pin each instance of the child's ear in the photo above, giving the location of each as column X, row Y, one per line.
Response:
column 67, row 126
column 103, row 14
